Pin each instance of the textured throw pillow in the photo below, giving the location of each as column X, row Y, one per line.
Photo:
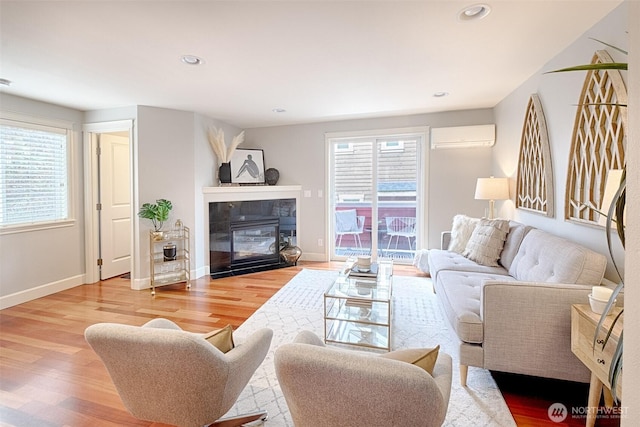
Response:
column 222, row 339
column 487, row 241
column 424, row 358
column 461, row 231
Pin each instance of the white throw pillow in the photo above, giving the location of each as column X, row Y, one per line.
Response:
column 487, row 241
column 461, row 231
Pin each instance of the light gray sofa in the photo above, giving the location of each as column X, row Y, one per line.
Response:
column 516, row 317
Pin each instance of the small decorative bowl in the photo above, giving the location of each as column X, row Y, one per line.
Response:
column 597, row 305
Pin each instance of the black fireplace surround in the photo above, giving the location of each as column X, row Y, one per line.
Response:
column 246, row 236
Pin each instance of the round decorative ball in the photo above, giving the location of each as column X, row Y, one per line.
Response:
column 271, row 176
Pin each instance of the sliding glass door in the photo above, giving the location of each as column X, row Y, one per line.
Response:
column 375, row 183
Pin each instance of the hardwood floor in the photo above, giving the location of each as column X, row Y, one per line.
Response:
column 50, row 377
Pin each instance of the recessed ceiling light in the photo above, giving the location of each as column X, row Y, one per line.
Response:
column 5, row 82
column 279, row 110
column 440, row 94
column 191, row 60
column 474, row 13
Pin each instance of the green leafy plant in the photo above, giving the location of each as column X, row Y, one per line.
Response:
column 157, row 212
column 615, row 215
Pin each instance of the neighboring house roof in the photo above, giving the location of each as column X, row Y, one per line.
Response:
column 396, row 186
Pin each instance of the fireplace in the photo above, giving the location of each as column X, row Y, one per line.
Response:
column 254, row 241
column 246, row 236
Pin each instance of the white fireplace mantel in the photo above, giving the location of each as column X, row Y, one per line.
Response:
column 259, row 192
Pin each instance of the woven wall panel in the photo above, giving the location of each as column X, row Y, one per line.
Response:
column 598, row 142
column 534, row 189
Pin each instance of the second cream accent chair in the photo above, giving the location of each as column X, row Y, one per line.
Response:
column 324, row 386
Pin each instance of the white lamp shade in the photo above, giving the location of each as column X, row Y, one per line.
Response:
column 492, row 189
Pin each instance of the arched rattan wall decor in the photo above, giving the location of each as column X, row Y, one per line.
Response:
column 598, row 142
column 534, row 187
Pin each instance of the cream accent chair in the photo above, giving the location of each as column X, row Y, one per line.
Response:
column 331, row 387
column 167, row 375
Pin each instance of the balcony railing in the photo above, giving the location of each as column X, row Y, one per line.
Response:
column 399, row 246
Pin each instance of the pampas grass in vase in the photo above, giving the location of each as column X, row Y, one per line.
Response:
column 216, row 140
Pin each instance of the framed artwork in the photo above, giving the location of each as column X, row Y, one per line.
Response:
column 534, row 191
column 599, row 142
column 247, row 166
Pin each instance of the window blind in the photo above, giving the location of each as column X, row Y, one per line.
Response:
column 33, row 173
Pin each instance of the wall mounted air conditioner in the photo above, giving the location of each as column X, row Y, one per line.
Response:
column 463, row 136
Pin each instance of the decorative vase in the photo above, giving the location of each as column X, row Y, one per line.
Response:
column 290, row 253
column 169, row 252
column 271, row 176
column 224, row 173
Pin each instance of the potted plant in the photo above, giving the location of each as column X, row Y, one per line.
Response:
column 158, row 213
column 615, row 218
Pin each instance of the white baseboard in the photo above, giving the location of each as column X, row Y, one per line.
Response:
column 200, row 272
column 314, row 256
column 140, row 284
column 40, row 291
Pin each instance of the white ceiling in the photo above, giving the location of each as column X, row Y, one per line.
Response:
column 319, row 60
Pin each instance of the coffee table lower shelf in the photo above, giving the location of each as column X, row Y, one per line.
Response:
column 358, row 334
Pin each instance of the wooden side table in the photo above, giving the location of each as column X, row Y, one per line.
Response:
column 598, row 360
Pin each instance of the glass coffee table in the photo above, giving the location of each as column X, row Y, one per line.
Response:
column 357, row 310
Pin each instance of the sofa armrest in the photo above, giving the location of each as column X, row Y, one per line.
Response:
column 527, row 328
column 445, row 239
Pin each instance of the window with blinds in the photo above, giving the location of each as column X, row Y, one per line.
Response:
column 34, row 173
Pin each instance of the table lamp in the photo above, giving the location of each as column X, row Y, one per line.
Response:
column 492, row 189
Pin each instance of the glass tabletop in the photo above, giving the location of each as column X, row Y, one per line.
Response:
column 377, row 288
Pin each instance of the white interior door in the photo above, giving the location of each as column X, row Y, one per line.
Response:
column 115, row 198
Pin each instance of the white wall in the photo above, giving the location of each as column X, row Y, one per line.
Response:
column 205, row 175
column 559, row 94
column 36, row 263
column 165, row 171
column 631, row 373
column 174, row 161
column 298, row 152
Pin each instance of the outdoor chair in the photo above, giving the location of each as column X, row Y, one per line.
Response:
column 348, row 222
column 401, row 226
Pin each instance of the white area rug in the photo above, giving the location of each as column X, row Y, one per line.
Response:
column 417, row 322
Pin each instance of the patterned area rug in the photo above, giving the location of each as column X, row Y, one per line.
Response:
column 418, row 321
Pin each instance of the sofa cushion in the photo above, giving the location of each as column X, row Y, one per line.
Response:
column 543, row 257
column 459, row 293
column 517, row 231
column 487, row 241
column 461, row 231
column 441, row 260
